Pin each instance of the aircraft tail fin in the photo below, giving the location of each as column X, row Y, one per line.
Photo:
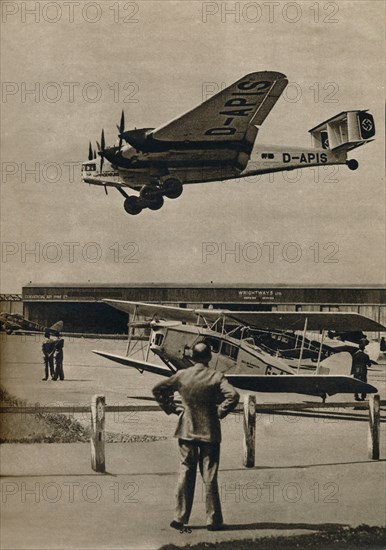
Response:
column 337, row 364
column 344, row 131
column 56, row 327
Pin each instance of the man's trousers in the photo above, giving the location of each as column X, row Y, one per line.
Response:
column 49, row 364
column 207, row 457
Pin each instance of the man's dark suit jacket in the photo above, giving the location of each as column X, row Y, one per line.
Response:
column 206, row 398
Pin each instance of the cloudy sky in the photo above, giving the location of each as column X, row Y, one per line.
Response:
column 69, row 68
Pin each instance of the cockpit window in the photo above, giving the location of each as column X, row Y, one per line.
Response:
column 89, row 167
column 229, row 350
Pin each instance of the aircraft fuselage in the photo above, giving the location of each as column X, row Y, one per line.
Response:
column 206, row 165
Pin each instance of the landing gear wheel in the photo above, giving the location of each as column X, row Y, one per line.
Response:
column 352, row 164
column 156, row 203
column 132, row 205
column 149, row 193
column 172, row 188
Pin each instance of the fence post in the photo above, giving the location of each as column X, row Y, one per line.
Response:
column 97, row 437
column 249, row 431
column 374, row 426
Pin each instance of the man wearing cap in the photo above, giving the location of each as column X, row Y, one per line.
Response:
column 59, row 344
column 48, row 348
column 360, row 362
column 206, row 398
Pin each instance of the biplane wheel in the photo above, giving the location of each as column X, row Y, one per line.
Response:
column 172, row 188
column 8, row 331
column 156, row 203
column 352, row 164
column 132, row 205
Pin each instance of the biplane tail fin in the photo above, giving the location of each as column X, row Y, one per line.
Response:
column 344, row 131
column 336, row 364
column 56, row 328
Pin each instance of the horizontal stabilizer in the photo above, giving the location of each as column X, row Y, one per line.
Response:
column 135, row 363
column 308, row 384
column 344, row 131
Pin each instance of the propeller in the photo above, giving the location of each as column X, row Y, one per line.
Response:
column 121, row 129
column 101, row 149
column 90, row 152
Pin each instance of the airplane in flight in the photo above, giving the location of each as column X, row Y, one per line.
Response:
column 171, row 332
column 15, row 322
column 216, row 142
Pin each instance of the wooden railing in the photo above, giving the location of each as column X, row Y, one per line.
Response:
column 249, row 408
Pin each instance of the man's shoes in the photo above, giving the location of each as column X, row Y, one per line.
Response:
column 44, row 378
column 54, row 378
column 216, row 527
column 357, row 398
column 176, row 524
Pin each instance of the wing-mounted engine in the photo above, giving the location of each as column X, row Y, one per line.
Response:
column 344, row 131
column 137, row 138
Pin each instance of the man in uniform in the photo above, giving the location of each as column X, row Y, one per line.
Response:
column 206, row 398
column 48, row 348
column 360, row 362
column 59, row 344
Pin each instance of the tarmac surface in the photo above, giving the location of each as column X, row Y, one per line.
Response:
column 311, row 473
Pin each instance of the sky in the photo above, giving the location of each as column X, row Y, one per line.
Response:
column 68, row 69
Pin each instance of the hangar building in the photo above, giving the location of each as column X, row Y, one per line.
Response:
column 81, row 309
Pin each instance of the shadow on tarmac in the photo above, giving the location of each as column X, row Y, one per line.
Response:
column 300, row 466
column 175, row 473
column 272, row 525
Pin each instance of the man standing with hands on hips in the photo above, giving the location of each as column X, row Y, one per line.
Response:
column 206, row 398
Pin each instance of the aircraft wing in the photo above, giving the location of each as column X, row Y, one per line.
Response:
column 271, row 320
column 309, row 384
column 227, row 115
column 135, row 363
column 168, row 313
column 278, row 320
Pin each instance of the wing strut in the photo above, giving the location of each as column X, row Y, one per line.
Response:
column 302, row 346
column 320, row 353
column 131, row 331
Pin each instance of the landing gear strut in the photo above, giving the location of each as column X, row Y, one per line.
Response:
column 152, row 196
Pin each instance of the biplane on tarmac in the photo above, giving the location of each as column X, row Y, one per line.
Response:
column 171, row 332
column 15, row 322
column 216, row 142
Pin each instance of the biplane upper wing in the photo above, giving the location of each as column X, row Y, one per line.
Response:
column 227, row 115
column 309, row 384
column 278, row 320
column 168, row 313
column 271, row 320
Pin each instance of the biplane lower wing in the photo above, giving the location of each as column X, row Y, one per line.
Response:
column 308, row 384
column 135, row 363
column 294, row 383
